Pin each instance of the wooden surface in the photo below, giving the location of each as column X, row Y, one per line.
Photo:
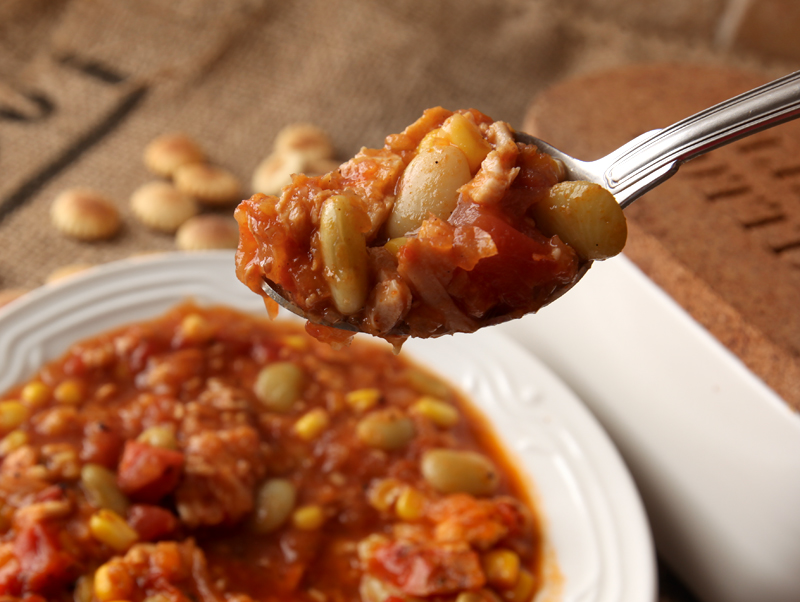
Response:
column 722, row 237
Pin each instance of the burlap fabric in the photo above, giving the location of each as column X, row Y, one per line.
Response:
column 85, row 84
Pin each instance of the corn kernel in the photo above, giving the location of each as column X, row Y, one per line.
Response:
column 501, row 568
column 393, row 245
column 159, row 436
column 383, row 494
column 112, row 582
column 468, row 138
column 523, row 590
column 195, row 328
column 362, row 400
column 84, row 587
column 35, row 393
column 312, row 423
column 69, row 392
column 110, row 528
column 296, row 342
column 410, row 504
column 308, row 517
column 12, row 414
column 14, row 440
column 437, row 411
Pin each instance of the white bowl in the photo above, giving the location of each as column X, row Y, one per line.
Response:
column 596, row 531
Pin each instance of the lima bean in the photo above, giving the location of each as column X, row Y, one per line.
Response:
column 100, row 487
column 279, row 385
column 430, row 184
column 387, row 429
column 585, row 216
column 275, row 502
column 457, row 471
column 344, row 253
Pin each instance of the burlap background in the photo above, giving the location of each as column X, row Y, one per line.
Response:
column 85, row 84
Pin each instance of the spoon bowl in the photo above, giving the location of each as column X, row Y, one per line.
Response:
column 650, row 159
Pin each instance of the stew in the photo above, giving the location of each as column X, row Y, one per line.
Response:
column 207, row 455
column 451, row 226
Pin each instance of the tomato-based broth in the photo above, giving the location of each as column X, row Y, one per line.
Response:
column 452, row 226
column 210, row 455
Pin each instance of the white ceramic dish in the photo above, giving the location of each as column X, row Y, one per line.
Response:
column 595, row 523
column 714, row 452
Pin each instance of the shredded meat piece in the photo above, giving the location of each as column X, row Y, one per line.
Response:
column 428, row 569
column 176, row 571
column 220, row 473
column 22, row 475
column 481, row 523
column 373, row 174
column 497, row 171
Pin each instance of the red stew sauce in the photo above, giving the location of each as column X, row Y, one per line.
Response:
column 207, row 455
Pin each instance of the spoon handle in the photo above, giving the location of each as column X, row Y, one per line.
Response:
column 651, row 159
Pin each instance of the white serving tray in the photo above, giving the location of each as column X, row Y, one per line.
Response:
column 714, row 452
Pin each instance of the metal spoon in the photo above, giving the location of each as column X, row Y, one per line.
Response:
column 647, row 161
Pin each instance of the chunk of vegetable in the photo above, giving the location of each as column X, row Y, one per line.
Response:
column 456, row 471
column 429, row 186
column 585, row 216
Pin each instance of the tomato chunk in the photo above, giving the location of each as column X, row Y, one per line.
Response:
column 151, row 522
column 43, row 564
column 147, row 473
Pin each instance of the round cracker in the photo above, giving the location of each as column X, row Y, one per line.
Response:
column 209, row 184
column 275, row 172
column 210, row 231
column 161, row 206
column 166, row 153
column 305, row 139
column 320, row 167
column 85, row 214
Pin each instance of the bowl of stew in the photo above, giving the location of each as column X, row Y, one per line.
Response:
column 162, row 441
